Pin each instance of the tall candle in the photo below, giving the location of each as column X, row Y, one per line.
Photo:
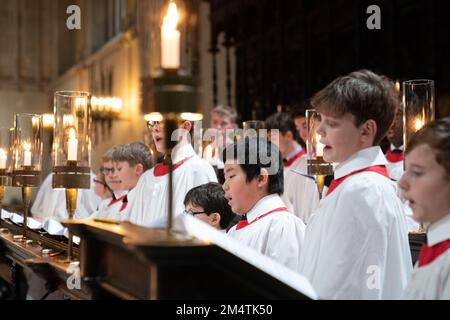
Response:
column 319, row 147
column 170, row 39
column 26, row 154
column 72, row 146
column 3, row 157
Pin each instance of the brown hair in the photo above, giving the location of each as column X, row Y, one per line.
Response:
column 108, row 155
column 437, row 135
column 284, row 122
column 134, row 153
column 226, row 112
column 363, row 94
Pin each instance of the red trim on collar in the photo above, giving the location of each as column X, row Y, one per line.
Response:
column 244, row 223
column 291, row 160
column 377, row 169
column 429, row 254
column 394, row 157
column 122, row 199
column 161, row 169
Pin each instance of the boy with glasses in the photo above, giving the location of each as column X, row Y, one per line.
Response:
column 208, row 203
column 129, row 162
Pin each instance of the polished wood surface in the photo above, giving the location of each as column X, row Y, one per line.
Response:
column 132, row 262
column 52, row 267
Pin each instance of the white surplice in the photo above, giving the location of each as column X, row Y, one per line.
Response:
column 279, row 235
column 51, row 203
column 356, row 243
column 109, row 208
column 432, row 281
column 147, row 204
column 300, row 193
column 395, row 169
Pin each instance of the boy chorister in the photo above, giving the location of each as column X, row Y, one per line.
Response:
column 253, row 184
column 129, row 162
column 356, row 242
column 148, row 202
column 426, row 186
column 300, row 193
column 207, row 202
column 394, row 154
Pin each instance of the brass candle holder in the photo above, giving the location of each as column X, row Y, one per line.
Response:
column 316, row 165
column 71, row 178
column 27, row 153
column 319, row 169
column 71, row 149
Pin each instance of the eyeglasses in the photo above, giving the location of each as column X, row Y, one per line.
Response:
column 152, row 124
column 105, row 171
column 100, row 182
column 193, row 213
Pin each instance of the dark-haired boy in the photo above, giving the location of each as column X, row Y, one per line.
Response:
column 356, row 243
column 253, row 184
column 207, row 202
column 300, row 193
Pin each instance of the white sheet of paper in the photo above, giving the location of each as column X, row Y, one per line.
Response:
column 198, row 229
column 6, row 214
column 53, row 227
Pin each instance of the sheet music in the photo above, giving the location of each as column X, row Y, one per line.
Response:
column 200, row 230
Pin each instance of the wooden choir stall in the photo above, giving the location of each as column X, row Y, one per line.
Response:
column 125, row 261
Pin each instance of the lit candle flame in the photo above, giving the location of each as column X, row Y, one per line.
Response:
column 418, row 124
column 319, row 146
column 170, row 21
column 170, row 39
column 26, row 146
column 71, row 133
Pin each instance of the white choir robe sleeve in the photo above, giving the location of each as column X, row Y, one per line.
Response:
column 102, row 207
column 285, row 242
column 87, row 201
column 148, row 203
column 364, row 252
column 305, row 198
column 51, row 203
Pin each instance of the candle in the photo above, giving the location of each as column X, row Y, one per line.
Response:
column 26, row 154
column 72, row 146
column 319, row 147
column 170, row 39
column 418, row 124
column 3, row 158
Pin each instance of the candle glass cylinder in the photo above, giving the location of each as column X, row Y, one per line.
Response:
column 27, row 154
column 27, row 151
column 72, row 140
column 418, row 106
column 418, row 110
